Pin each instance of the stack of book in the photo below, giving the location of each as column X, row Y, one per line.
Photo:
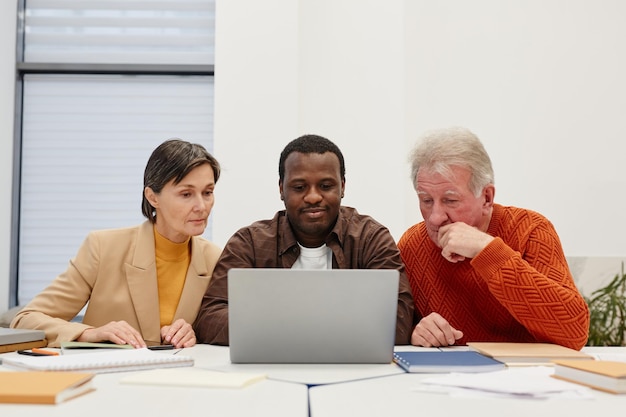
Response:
column 527, row 354
column 602, row 375
column 43, row 387
column 20, row 339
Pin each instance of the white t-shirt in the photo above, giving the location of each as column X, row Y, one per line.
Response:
column 314, row 258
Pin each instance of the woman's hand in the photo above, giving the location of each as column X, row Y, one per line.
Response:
column 118, row 332
column 180, row 334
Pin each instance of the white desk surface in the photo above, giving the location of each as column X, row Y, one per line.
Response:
column 364, row 390
column 264, row 398
column 217, row 358
column 395, row 396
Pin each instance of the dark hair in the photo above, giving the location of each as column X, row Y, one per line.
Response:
column 173, row 160
column 310, row 144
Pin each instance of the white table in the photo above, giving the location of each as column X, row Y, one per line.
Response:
column 264, row 398
column 396, row 395
column 217, row 358
column 294, row 390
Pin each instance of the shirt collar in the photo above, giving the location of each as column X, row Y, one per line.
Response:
column 288, row 239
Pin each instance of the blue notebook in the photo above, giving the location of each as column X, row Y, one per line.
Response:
column 446, row 361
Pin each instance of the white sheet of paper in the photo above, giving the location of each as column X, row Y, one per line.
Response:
column 528, row 382
column 615, row 356
column 192, row 377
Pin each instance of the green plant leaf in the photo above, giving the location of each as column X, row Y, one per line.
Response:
column 607, row 313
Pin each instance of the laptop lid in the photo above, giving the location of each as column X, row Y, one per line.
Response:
column 10, row 336
column 312, row 316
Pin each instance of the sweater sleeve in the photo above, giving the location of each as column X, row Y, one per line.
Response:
column 53, row 308
column 536, row 287
column 381, row 252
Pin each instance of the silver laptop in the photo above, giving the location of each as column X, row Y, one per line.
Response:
column 11, row 336
column 312, row 316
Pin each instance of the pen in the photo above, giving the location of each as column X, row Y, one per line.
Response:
column 45, row 352
column 37, row 352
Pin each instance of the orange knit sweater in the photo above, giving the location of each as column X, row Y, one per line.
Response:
column 517, row 289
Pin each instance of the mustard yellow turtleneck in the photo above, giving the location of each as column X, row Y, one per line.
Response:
column 172, row 262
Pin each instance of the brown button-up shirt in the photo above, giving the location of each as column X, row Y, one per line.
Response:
column 357, row 242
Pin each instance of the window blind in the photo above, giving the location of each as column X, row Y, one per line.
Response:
column 120, row 31
column 85, row 142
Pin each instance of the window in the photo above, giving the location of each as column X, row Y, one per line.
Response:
column 102, row 83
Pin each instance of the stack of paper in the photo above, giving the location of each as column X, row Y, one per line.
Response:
column 523, row 382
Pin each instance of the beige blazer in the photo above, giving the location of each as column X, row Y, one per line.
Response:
column 114, row 273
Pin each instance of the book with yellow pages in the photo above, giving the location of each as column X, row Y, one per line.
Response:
column 12, row 347
column 606, row 376
column 527, row 354
column 43, row 387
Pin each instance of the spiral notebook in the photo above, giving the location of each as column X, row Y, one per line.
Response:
column 122, row 360
column 437, row 361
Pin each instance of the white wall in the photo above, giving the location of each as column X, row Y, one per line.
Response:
column 543, row 83
column 256, row 97
column 540, row 81
column 287, row 68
